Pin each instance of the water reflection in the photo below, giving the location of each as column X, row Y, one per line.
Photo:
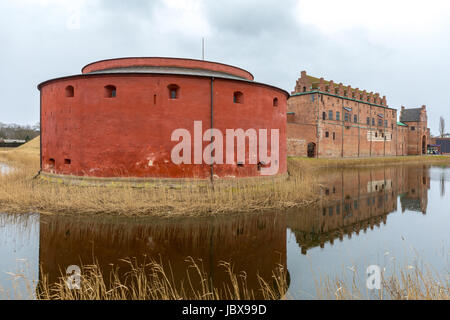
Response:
column 4, row 169
column 19, row 259
column 356, row 200
column 255, row 244
column 326, row 237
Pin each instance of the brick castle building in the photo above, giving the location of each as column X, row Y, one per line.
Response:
column 329, row 120
column 118, row 118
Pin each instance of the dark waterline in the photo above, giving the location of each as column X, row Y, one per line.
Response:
column 389, row 216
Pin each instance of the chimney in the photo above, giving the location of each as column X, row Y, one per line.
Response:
column 303, row 74
column 322, row 85
column 377, row 98
column 340, row 89
column 331, row 86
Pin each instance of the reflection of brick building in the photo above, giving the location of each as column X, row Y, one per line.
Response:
column 328, row 120
column 355, row 200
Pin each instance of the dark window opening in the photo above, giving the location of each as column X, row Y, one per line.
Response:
column 174, row 91
column 238, row 97
column 355, row 119
column 346, row 117
column 67, row 161
column 304, row 89
column 373, row 121
column 110, row 92
column 154, row 99
column 330, row 115
column 70, row 92
column 368, row 121
column 338, row 115
column 324, row 116
column 240, row 164
column 327, row 134
column 275, row 102
column 413, row 128
column 311, row 151
column 52, row 163
column 334, row 135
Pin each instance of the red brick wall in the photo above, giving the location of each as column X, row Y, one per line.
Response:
column 344, row 138
column 130, row 135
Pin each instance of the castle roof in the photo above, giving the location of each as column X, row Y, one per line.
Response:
column 410, row 115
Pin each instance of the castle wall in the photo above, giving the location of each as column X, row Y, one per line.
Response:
column 130, row 135
column 343, row 122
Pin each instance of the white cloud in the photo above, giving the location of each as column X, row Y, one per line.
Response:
column 410, row 17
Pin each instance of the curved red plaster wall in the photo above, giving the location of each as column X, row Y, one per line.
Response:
column 130, row 135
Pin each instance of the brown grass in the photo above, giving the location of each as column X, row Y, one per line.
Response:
column 152, row 282
column 365, row 162
column 20, row 193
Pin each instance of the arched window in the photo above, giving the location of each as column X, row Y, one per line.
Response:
column 70, row 92
column 238, row 97
column 110, row 92
column 174, row 91
column 275, row 102
column 304, row 89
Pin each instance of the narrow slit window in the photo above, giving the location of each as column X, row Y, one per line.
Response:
column 110, row 91
column 70, row 92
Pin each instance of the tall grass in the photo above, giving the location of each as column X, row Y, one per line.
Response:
column 20, row 193
column 153, row 282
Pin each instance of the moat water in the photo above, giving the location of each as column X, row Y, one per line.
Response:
column 394, row 217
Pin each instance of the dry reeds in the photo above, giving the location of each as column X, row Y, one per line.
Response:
column 151, row 281
column 20, row 193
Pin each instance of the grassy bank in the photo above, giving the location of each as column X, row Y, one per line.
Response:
column 20, row 193
column 365, row 162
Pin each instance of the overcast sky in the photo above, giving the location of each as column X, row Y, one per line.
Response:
column 397, row 48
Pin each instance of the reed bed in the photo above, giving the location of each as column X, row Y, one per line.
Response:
column 20, row 193
column 407, row 284
column 375, row 161
column 154, row 282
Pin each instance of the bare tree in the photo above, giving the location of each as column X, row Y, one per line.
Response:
column 442, row 127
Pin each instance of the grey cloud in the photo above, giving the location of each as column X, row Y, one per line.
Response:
column 263, row 37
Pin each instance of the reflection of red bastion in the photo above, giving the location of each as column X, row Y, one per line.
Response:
column 116, row 120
